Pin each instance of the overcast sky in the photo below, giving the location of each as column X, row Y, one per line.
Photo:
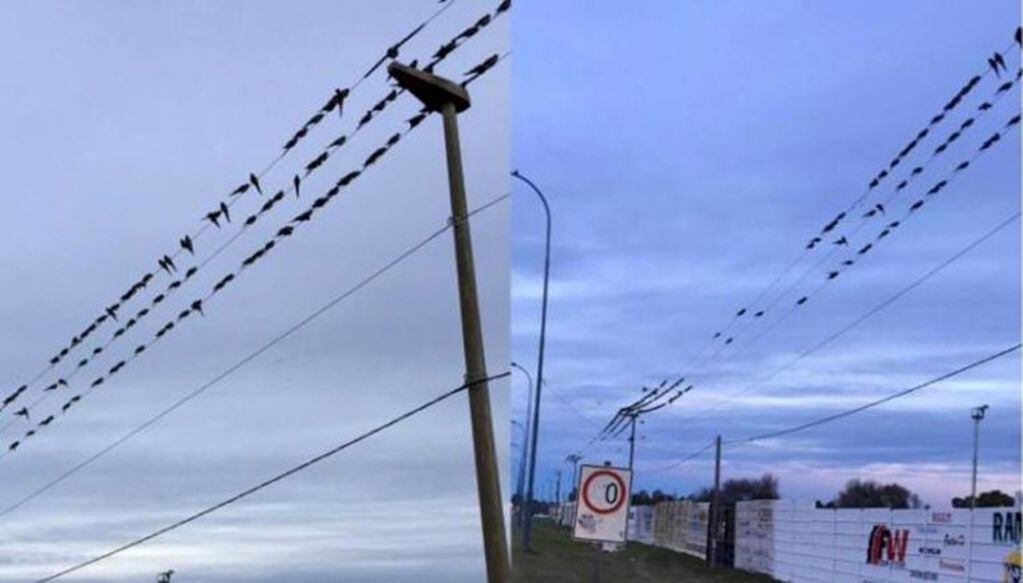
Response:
column 123, row 125
column 690, row 150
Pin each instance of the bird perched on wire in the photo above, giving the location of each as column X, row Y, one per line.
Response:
column 186, row 244
column 167, row 264
column 481, row 68
column 254, row 181
column 393, row 50
column 841, row 241
column 46, row 421
column 23, row 412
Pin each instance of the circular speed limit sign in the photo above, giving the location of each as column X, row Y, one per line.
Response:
column 604, row 492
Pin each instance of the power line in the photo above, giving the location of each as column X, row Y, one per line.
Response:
column 287, row 231
column 247, row 359
column 877, row 402
column 277, row 478
column 335, row 102
column 750, row 309
column 859, row 320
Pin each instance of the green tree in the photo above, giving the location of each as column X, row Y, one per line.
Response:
column 870, row 494
column 762, row 488
column 989, row 499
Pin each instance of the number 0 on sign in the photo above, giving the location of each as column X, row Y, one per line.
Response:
column 603, row 504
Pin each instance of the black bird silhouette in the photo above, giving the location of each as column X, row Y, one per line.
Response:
column 254, row 180
column 348, row 178
column 318, row 203
column 296, row 182
column 990, row 141
column 46, row 421
column 801, row 301
column 999, row 62
column 97, row 350
column 169, row 264
column 874, row 183
column 286, row 231
column 183, row 314
column 374, row 156
column 416, row 120
column 223, row 282
column 227, row 213
column 190, row 272
column 140, row 349
column 393, row 140
column 482, row 67
column 984, row 106
column 365, row 119
column 729, row 341
column 197, row 307
column 1019, row 36
column 251, row 220
column 316, row 163
column 303, row 217
column 29, row 433
column 112, row 312
column 339, row 98
column 813, row 242
column 758, row 314
column 1004, row 87
column 97, row 382
column 962, row 165
column 13, row 446
column 174, row 285
column 917, row 170
column 841, row 241
column 269, row 204
column 916, row 205
column 940, row 149
column 392, row 51
column 186, row 244
column 848, row 262
column 1013, row 121
column 23, row 412
column 338, row 142
column 902, row 185
column 445, row 50
column 833, row 274
column 740, row 312
column 865, row 248
column 245, row 187
column 883, row 234
column 506, row 4
column 117, row 367
column 158, row 299
column 717, row 335
column 937, row 118
column 83, row 362
column 315, row 119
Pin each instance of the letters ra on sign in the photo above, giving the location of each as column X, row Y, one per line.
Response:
column 602, row 510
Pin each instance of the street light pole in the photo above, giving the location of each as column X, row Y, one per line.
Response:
column 525, row 445
column 439, row 94
column 520, row 482
column 527, row 527
column 977, row 414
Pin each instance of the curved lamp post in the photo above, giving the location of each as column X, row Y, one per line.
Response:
column 527, row 527
column 525, row 442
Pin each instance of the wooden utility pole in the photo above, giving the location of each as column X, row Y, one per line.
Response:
column 450, row 98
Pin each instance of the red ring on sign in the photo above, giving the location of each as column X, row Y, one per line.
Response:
column 621, row 488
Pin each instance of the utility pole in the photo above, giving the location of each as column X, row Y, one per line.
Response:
column 715, row 509
column 557, row 496
column 450, row 98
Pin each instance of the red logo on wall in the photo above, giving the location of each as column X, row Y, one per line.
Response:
column 887, row 547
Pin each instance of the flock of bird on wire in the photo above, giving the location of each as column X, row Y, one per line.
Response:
column 667, row 392
column 221, row 216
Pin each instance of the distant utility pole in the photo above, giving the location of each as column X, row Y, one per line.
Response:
column 715, row 508
column 557, row 495
column 528, row 526
column 978, row 415
column 450, row 98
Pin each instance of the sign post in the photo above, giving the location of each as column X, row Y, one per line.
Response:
column 602, row 508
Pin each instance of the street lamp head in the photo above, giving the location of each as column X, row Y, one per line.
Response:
column 435, row 92
column 978, row 412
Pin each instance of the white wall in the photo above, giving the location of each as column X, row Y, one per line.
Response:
column 793, row 542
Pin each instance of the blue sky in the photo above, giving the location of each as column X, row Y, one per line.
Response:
column 690, row 150
column 123, row 124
